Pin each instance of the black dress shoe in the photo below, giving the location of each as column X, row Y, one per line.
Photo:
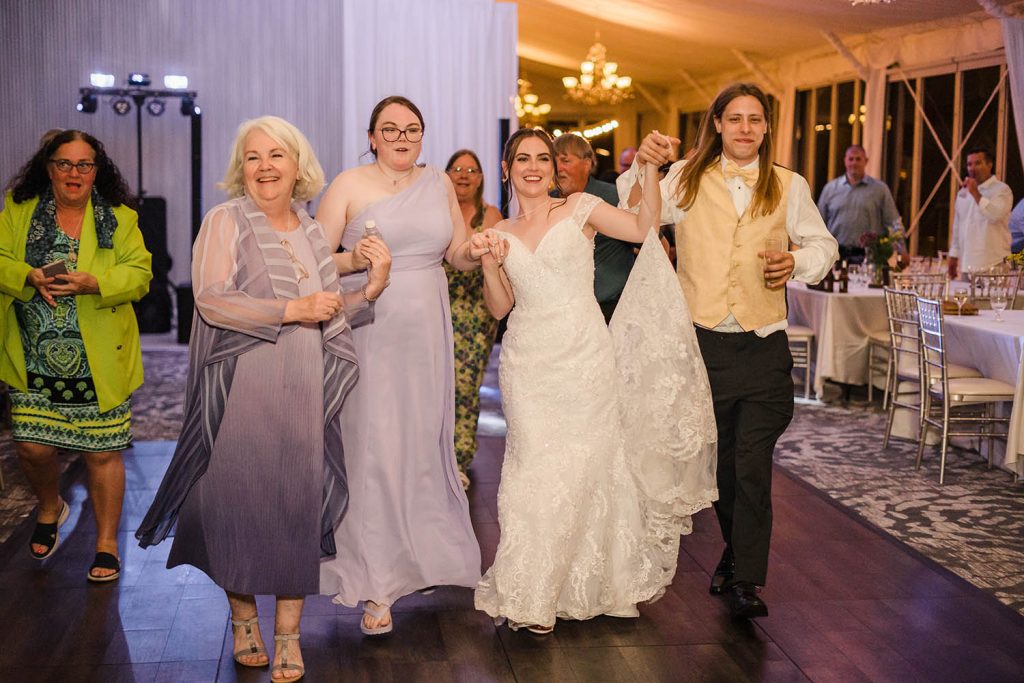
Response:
column 723, row 573
column 746, row 604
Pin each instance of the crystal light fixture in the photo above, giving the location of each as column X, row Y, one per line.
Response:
column 530, row 110
column 599, row 81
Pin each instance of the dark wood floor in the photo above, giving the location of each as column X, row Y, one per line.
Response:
column 847, row 604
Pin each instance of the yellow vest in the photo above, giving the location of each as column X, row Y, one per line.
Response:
column 717, row 260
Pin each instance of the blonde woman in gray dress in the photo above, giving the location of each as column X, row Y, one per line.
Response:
column 271, row 360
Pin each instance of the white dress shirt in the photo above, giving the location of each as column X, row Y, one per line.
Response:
column 816, row 248
column 981, row 229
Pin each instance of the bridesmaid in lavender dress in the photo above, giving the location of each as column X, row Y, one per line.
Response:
column 407, row 526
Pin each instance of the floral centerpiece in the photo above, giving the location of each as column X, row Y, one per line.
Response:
column 1016, row 261
column 880, row 250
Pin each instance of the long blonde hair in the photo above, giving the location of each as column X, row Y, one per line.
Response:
column 768, row 190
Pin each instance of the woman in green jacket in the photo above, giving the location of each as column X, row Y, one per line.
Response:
column 72, row 259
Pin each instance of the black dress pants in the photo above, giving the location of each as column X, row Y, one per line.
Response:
column 752, row 390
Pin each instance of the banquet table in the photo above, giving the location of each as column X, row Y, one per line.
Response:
column 842, row 325
column 995, row 349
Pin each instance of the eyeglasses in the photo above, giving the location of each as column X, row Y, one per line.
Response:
column 391, row 134
column 65, row 166
column 303, row 273
column 464, row 169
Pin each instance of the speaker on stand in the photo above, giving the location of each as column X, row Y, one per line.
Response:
column 153, row 311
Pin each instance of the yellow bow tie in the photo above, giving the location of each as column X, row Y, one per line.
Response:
column 749, row 175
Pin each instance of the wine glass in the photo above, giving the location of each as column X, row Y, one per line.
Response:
column 960, row 297
column 998, row 302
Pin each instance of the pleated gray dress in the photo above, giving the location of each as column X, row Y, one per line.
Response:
column 258, row 483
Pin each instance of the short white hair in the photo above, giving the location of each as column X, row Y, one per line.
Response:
column 310, row 178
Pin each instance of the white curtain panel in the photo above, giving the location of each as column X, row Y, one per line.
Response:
column 1013, row 40
column 455, row 59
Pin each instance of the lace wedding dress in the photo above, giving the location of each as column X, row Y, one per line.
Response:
column 611, row 434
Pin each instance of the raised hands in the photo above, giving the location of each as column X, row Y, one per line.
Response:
column 657, row 149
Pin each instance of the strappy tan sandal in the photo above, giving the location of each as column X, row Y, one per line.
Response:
column 285, row 665
column 250, row 637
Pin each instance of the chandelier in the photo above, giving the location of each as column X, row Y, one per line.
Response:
column 599, row 81
column 529, row 108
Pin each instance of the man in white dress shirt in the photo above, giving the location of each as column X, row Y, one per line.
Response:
column 726, row 202
column 981, row 221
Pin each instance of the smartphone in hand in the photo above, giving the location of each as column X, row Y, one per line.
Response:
column 55, row 268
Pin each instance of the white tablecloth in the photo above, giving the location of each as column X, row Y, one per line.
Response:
column 842, row 324
column 995, row 349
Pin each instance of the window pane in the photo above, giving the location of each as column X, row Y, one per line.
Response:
column 939, row 102
column 822, row 136
column 977, row 87
column 846, row 116
column 1014, row 169
column 898, row 164
column 801, row 124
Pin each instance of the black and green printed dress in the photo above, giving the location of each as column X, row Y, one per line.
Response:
column 60, row 407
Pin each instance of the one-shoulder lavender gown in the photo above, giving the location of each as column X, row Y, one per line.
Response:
column 407, row 525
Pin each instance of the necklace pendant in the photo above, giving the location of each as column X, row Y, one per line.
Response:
column 72, row 257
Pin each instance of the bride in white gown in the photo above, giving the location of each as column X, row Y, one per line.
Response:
column 611, row 432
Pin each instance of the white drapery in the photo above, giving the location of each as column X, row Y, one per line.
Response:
column 1013, row 41
column 455, row 59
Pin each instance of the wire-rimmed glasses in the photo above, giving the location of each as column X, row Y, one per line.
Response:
column 392, row 134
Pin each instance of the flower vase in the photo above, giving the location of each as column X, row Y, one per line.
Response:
column 879, row 276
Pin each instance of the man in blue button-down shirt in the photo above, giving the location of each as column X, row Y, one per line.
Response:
column 854, row 204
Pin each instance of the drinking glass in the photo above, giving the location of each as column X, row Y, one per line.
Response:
column 998, row 302
column 773, row 244
column 960, row 297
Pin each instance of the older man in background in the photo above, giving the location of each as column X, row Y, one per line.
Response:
column 855, row 204
column 981, row 223
column 613, row 259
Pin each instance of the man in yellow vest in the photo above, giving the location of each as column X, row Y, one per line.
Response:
column 744, row 227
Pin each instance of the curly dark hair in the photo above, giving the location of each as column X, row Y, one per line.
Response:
column 33, row 180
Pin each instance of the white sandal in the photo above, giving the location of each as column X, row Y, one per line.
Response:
column 378, row 613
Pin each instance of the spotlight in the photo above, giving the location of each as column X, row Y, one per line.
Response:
column 122, row 106
column 138, row 79
column 155, row 107
column 98, row 80
column 176, row 82
column 87, row 105
column 188, row 107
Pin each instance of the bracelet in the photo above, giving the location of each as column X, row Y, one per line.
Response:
column 366, row 298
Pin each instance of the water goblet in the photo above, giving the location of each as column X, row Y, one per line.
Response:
column 998, row 302
column 960, row 297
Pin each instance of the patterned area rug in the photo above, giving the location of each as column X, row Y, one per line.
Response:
column 973, row 525
column 156, row 416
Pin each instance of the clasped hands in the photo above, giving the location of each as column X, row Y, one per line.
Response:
column 491, row 247
column 65, row 284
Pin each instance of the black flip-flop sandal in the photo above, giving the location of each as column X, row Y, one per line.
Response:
column 48, row 534
column 105, row 561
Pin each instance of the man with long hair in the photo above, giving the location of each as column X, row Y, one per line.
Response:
column 744, row 227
